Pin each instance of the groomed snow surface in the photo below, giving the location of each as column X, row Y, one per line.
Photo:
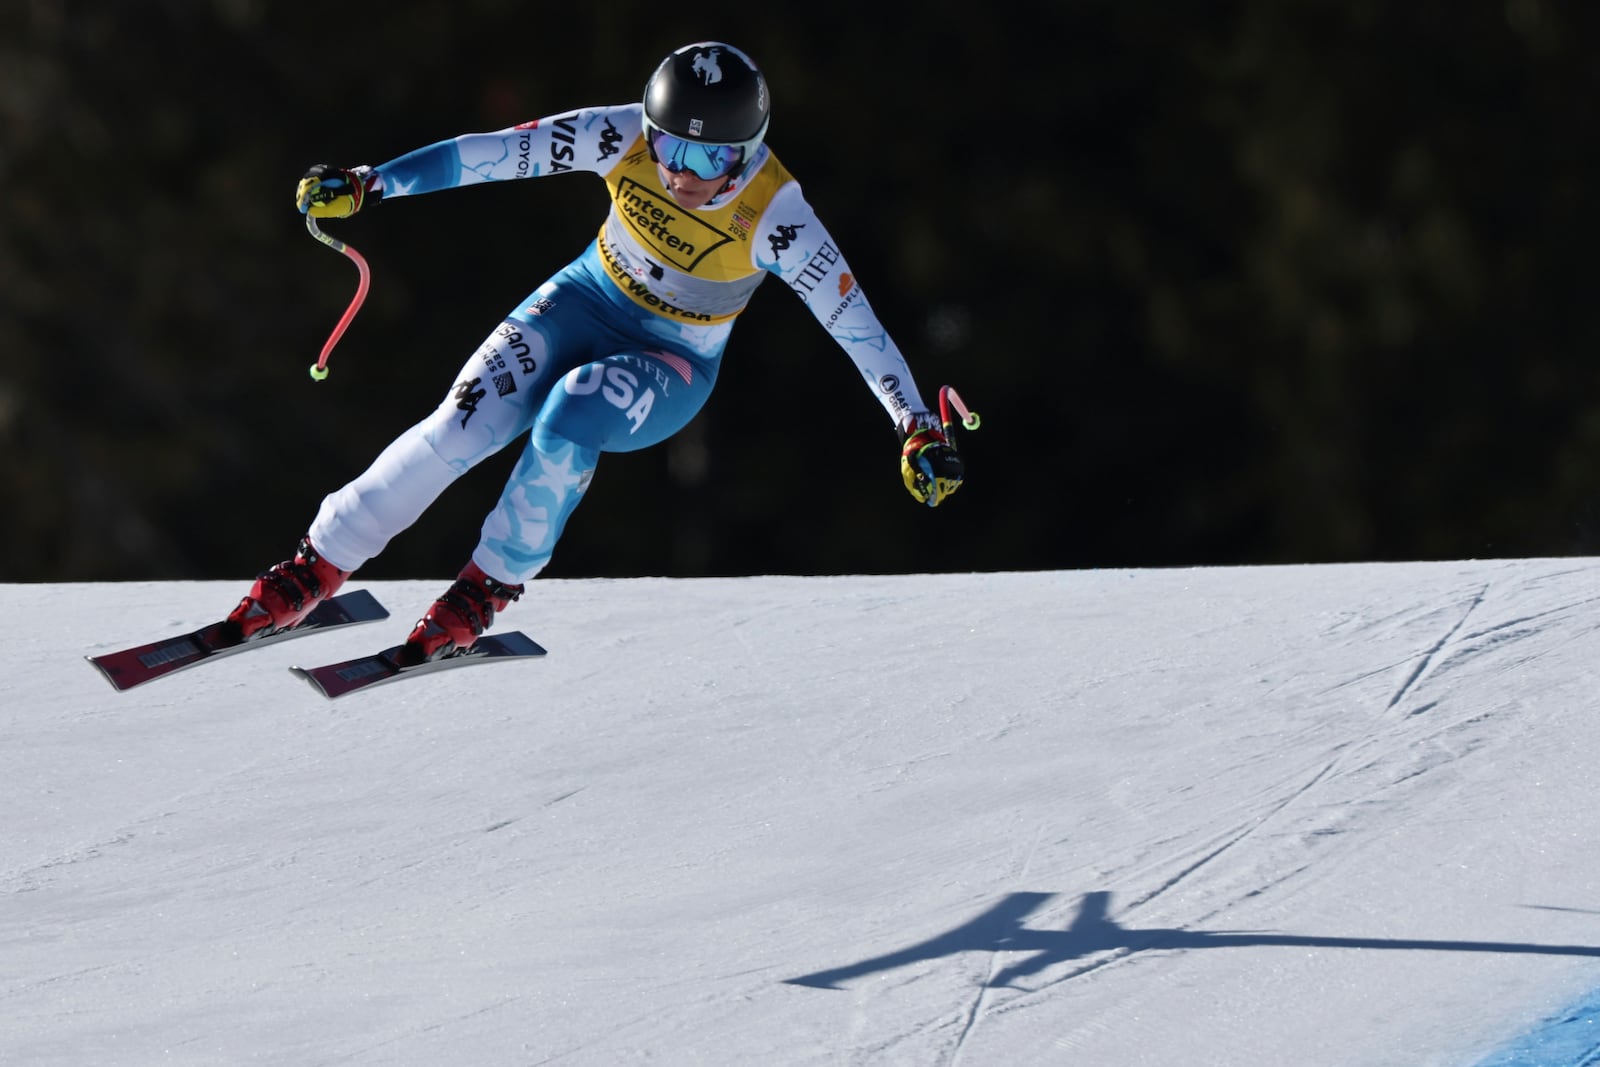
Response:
column 1275, row 815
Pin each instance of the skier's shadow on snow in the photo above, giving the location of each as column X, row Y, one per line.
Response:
column 1002, row 929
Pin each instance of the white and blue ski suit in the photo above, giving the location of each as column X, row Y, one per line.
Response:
column 617, row 351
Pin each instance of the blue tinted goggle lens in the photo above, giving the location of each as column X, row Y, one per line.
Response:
column 704, row 161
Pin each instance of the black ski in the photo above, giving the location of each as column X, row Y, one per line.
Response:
column 144, row 663
column 338, row 679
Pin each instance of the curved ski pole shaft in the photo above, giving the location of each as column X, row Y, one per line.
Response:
column 319, row 370
column 950, row 399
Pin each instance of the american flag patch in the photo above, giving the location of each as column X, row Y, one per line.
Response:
column 677, row 363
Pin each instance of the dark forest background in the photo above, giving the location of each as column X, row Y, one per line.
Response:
column 1248, row 282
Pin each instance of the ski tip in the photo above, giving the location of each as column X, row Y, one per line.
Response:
column 310, row 679
column 518, row 643
column 359, row 605
column 114, row 677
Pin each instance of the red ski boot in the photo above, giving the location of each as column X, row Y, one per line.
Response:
column 286, row 594
column 460, row 616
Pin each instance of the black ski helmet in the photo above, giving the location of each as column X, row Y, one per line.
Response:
column 710, row 93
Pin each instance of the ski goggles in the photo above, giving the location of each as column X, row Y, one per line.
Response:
column 705, row 161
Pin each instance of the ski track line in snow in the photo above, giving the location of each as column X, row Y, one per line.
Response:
column 1126, row 952
column 1429, row 656
column 979, row 1004
column 1435, row 660
column 984, row 1002
column 1235, row 836
column 1327, row 772
column 1502, row 633
column 981, row 1001
column 1228, row 841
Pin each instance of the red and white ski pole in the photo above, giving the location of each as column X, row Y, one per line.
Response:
column 950, row 400
column 319, row 369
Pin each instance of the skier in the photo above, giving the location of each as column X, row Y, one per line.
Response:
column 616, row 352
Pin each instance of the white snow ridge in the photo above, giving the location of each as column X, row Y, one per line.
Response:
column 1273, row 815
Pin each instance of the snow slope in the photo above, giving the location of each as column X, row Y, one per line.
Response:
column 1278, row 815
